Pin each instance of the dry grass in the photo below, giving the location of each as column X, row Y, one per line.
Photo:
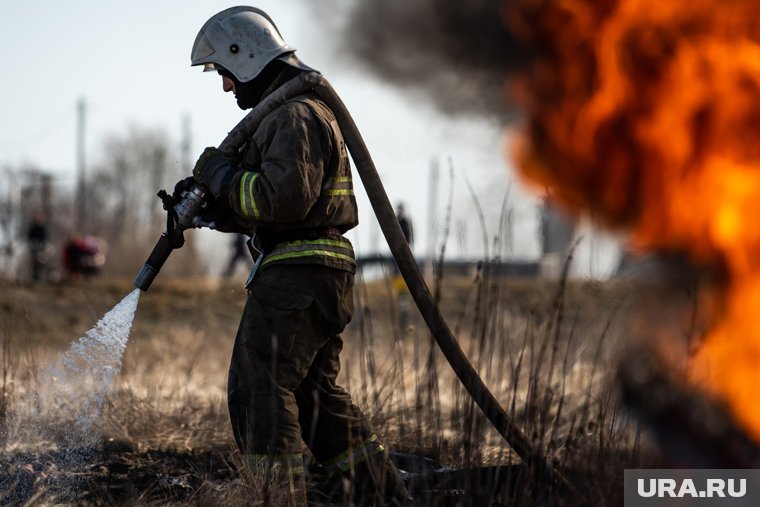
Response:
column 547, row 352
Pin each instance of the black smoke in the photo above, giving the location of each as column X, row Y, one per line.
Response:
column 459, row 54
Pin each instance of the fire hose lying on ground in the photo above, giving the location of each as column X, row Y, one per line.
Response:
column 186, row 214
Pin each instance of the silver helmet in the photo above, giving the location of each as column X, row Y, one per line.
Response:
column 242, row 40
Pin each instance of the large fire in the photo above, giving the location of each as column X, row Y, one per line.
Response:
column 647, row 112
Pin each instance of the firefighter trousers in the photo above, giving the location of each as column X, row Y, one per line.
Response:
column 282, row 388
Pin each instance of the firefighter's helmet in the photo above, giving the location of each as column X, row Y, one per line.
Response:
column 242, row 40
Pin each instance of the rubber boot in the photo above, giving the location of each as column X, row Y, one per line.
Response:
column 377, row 482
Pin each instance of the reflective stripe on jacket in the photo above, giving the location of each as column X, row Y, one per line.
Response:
column 329, row 251
column 296, row 176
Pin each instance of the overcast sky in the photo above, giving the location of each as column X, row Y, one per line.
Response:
column 130, row 62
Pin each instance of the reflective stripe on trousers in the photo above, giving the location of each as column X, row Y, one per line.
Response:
column 345, row 461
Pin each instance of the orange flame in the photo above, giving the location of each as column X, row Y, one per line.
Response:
column 647, row 112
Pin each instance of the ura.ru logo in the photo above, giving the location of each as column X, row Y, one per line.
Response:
column 713, row 488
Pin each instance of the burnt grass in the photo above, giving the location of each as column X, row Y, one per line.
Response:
column 116, row 474
column 120, row 475
column 548, row 350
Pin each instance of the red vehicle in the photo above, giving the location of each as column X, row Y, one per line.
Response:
column 84, row 255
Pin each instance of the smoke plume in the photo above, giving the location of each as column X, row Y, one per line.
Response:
column 456, row 53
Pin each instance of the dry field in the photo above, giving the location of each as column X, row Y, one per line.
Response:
column 547, row 350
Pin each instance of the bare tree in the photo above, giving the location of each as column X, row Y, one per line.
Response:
column 122, row 206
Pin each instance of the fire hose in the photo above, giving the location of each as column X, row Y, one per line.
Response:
column 468, row 376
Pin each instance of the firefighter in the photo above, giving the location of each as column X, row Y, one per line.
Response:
column 290, row 187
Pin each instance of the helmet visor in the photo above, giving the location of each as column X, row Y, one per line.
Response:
column 202, row 48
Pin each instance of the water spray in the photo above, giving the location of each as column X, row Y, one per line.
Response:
column 61, row 419
column 88, row 369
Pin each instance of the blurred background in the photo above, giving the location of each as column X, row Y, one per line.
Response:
column 101, row 109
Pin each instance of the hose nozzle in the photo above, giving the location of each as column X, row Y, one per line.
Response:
column 154, row 263
column 181, row 215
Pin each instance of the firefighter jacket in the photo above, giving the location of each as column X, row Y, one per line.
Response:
column 295, row 187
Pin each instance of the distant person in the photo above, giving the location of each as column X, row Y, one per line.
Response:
column 39, row 245
column 239, row 253
column 406, row 224
column 408, row 230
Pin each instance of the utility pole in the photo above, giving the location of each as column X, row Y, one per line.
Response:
column 46, row 193
column 432, row 225
column 81, row 214
column 186, row 145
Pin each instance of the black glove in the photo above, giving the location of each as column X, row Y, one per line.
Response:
column 221, row 215
column 183, row 185
column 214, row 170
column 216, row 210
